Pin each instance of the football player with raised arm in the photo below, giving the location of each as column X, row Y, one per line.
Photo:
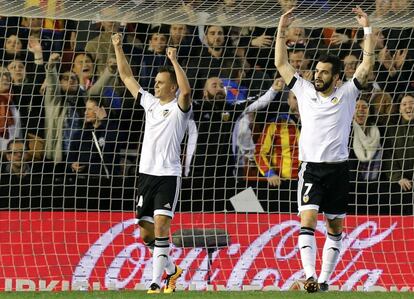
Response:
column 159, row 181
column 326, row 114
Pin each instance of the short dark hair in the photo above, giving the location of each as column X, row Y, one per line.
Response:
column 334, row 60
column 163, row 29
column 17, row 140
column 403, row 95
column 171, row 71
column 83, row 53
column 207, row 28
column 99, row 101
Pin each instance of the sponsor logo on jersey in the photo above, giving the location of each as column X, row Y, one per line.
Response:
column 168, row 206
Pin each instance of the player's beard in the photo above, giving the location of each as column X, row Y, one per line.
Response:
column 324, row 87
column 219, row 96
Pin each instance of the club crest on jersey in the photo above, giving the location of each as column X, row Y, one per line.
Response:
column 335, row 100
column 165, row 112
column 305, row 198
column 225, row 116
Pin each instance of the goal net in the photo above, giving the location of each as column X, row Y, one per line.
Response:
column 71, row 135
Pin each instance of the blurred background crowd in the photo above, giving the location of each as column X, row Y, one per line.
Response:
column 70, row 132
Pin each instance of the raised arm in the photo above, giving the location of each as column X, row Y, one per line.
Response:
column 285, row 70
column 184, row 99
column 268, row 97
column 364, row 69
column 125, row 71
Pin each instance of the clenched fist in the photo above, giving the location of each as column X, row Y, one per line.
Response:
column 53, row 59
column 172, row 53
column 117, row 39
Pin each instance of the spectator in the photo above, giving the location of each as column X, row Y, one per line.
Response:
column 27, row 98
column 255, row 44
column 32, row 28
column 179, row 38
column 10, row 126
column 208, row 62
column 277, row 149
column 395, row 70
column 100, row 47
column 384, row 8
column 399, row 160
column 16, row 163
column 64, row 105
column 300, row 59
column 105, row 84
column 401, row 140
column 383, row 110
column 84, row 67
column 153, row 57
column 213, row 164
column 351, row 63
column 13, row 47
column 94, row 149
column 232, row 75
column 366, row 150
column 62, row 115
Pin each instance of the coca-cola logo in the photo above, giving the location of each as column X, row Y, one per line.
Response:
column 270, row 257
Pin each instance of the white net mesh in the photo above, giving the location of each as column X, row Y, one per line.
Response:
column 68, row 182
column 264, row 13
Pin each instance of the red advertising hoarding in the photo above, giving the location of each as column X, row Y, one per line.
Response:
column 102, row 250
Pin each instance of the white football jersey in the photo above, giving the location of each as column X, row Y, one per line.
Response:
column 165, row 127
column 326, row 121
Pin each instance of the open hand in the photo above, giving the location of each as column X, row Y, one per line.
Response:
column 34, row 45
column 361, row 16
column 286, row 19
column 262, row 41
column 405, row 184
column 274, row 181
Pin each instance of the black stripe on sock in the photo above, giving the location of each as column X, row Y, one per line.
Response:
column 335, row 237
column 162, row 242
column 307, row 231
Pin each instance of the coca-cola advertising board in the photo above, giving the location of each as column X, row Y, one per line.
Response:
column 57, row 251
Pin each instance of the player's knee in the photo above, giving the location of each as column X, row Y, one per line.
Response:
column 309, row 218
column 162, row 225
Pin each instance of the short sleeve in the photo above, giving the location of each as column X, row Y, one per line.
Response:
column 300, row 86
column 146, row 99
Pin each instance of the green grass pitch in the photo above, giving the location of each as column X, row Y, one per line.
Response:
column 201, row 294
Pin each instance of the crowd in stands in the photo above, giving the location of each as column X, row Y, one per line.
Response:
column 65, row 112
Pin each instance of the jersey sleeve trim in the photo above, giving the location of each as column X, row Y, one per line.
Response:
column 357, row 84
column 184, row 111
column 292, row 82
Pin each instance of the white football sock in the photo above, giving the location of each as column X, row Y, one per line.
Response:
column 331, row 251
column 307, row 247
